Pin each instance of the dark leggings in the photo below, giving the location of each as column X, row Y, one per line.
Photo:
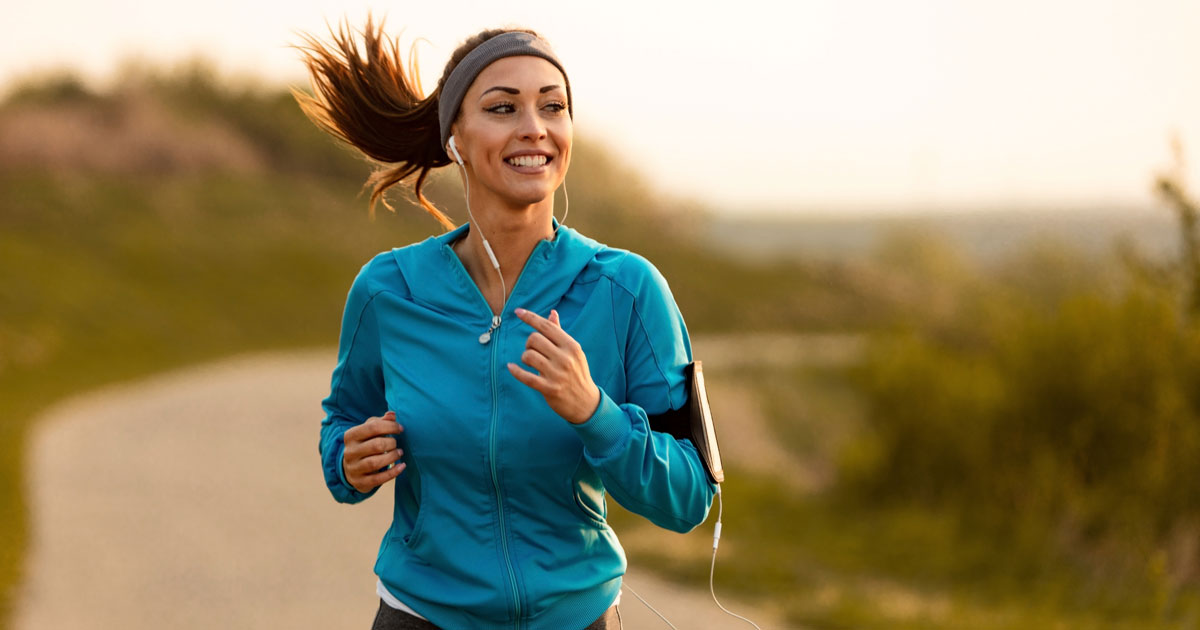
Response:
column 388, row 618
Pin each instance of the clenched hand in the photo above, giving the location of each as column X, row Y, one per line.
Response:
column 370, row 448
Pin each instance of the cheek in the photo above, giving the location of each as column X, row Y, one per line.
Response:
column 564, row 142
column 482, row 138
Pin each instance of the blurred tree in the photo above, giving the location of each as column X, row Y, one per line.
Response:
column 1172, row 189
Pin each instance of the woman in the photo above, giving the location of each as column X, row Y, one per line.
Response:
column 502, row 372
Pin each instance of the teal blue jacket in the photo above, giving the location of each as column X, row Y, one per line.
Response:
column 499, row 518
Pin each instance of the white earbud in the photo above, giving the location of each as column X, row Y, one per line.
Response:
column 454, row 150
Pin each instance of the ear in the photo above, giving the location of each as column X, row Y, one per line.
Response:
column 455, row 142
column 453, row 150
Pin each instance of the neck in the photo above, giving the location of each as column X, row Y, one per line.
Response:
column 512, row 234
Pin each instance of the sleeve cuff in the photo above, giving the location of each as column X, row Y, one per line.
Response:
column 341, row 471
column 607, row 430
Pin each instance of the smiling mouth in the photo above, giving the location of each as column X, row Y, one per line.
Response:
column 528, row 160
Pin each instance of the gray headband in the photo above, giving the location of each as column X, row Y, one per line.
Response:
column 508, row 44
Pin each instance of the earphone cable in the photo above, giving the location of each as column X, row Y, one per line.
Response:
column 713, row 567
column 467, row 197
column 566, row 205
column 625, row 584
column 482, row 238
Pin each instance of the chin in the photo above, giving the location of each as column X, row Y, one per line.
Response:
column 529, row 197
column 521, row 202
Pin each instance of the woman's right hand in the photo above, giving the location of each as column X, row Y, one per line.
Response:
column 369, row 448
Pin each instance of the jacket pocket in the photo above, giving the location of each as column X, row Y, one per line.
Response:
column 415, row 535
column 588, row 492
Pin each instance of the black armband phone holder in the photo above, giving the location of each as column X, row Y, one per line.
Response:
column 694, row 421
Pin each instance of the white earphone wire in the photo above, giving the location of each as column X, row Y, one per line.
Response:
column 712, row 569
column 566, row 205
column 625, row 584
column 495, row 263
column 485, row 337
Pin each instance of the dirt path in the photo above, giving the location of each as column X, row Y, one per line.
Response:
column 195, row 500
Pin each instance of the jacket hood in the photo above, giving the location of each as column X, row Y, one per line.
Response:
column 437, row 278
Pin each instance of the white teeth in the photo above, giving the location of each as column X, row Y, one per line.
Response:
column 527, row 160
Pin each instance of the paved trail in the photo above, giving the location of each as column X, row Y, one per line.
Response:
column 195, row 500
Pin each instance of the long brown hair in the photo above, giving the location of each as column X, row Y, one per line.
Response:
column 373, row 103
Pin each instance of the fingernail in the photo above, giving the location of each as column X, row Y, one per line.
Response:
column 519, row 311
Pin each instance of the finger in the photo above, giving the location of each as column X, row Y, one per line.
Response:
column 368, row 443
column 380, row 478
column 366, row 446
column 554, row 318
column 375, row 463
column 544, row 326
column 528, row 378
column 372, row 427
column 537, row 361
column 367, row 463
column 539, row 343
column 377, row 427
column 378, row 445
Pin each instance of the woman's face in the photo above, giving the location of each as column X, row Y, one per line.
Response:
column 514, row 130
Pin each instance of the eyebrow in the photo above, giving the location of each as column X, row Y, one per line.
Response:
column 511, row 90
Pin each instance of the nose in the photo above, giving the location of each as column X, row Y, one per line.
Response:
column 531, row 126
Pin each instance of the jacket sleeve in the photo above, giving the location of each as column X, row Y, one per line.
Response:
column 356, row 388
column 648, row 472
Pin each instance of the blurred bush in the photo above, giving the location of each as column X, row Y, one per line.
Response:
column 1057, row 402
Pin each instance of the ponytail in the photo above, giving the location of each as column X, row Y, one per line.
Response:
column 372, row 104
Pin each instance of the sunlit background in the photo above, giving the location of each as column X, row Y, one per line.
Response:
column 941, row 261
column 765, row 106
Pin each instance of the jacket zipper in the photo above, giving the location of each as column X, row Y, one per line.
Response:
column 489, row 337
column 512, row 578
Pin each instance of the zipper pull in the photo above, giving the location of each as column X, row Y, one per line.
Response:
column 487, row 336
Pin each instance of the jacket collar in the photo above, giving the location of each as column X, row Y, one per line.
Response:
column 436, row 276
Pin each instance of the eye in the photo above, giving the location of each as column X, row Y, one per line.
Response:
column 556, row 106
column 501, row 108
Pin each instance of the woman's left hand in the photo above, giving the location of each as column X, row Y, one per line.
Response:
column 562, row 370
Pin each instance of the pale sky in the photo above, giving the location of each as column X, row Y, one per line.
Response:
column 753, row 106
